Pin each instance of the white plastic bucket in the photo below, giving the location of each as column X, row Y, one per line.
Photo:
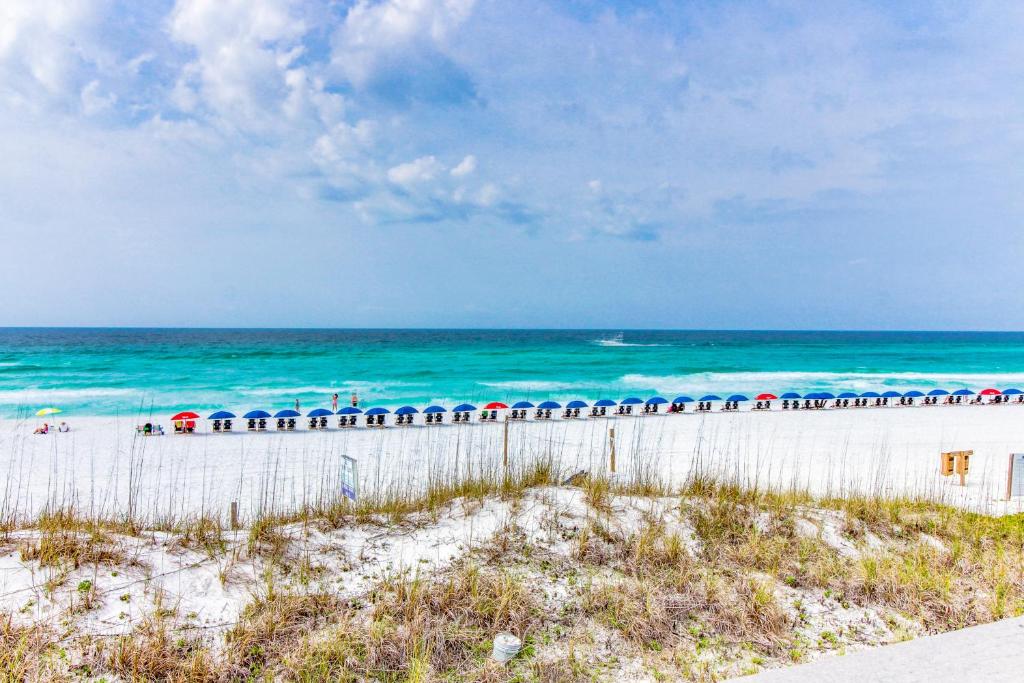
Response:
column 506, row 646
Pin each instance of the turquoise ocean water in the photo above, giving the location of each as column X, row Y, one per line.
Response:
column 136, row 371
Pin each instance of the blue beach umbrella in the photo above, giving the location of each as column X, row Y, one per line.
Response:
column 913, row 393
column 377, row 411
column 464, row 408
column 790, row 395
column 826, row 395
column 711, row 397
column 521, row 405
column 737, row 397
column 319, row 412
column 287, row 412
column 1012, row 392
column 256, row 415
column 406, row 410
column 963, row 392
column 938, row 392
column 848, row 394
column 432, row 410
column 631, row 401
column 870, row 394
column 221, row 415
column 348, row 410
column 891, row 394
column 576, row 404
column 682, row 399
column 550, row 405
column 604, row 403
column 656, row 401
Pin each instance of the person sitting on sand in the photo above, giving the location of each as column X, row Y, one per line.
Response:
column 45, row 429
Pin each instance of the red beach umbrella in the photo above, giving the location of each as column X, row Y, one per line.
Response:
column 185, row 415
column 495, row 405
column 990, row 392
column 765, row 397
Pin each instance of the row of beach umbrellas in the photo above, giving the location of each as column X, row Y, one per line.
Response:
column 603, row 403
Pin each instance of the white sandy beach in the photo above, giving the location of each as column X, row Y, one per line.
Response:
column 102, row 467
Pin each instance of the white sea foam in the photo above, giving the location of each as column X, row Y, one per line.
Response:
column 785, row 380
column 528, row 385
column 36, row 394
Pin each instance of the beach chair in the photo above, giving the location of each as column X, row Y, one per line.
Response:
column 250, row 425
column 227, row 425
column 603, row 412
column 380, row 420
column 323, row 422
column 216, row 426
column 261, row 426
column 313, row 423
column 280, row 424
column 190, row 427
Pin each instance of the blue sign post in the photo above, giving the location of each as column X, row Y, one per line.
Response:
column 349, row 478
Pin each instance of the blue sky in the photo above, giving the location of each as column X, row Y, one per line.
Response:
column 512, row 164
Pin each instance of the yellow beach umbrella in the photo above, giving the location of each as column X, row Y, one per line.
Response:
column 47, row 411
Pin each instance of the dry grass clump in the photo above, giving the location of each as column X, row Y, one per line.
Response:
column 72, row 549
column 446, row 623
column 418, row 629
column 272, row 625
column 28, row 653
column 153, row 653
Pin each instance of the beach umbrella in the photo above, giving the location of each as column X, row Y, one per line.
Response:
column 963, row 392
column 288, row 412
column 43, row 412
column 870, row 394
column 813, row 395
column 828, row 396
column 185, row 415
column 656, row 401
column 737, row 397
column 377, row 411
column 891, row 394
column 711, row 397
column 347, row 410
column 495, row 405
column 255, row 415
column 604, row 403
column 765, row 397
column 990, row 392
column 464, row 408
column 790, row 395
column 431, row 410
column 631, row 401
column 913, row 393
column 406, row 410
column 522, row 405
column 848, row 394
column 576, row 404
column 682, row 399
column 938, row 392
column 550, row 405
column 1012, row 392
column 221, row 415
column 319, row 412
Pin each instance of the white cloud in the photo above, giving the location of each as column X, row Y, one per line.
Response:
column 417, row 171
column 244, row 49
column 45, row 45
column 465, row 167
column 93, row 101
column 374, row 29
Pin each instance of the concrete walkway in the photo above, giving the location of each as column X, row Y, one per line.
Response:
column 993, row 652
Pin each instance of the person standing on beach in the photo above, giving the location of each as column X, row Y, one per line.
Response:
column 297, row 406
column 334, row 403
column 355, row 400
